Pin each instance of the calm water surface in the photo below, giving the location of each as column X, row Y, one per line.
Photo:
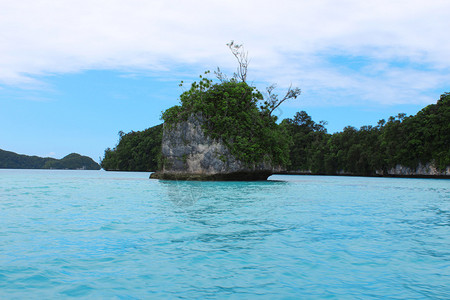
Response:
column 107, row 235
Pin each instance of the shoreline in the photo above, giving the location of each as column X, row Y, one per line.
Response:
column 374, row 175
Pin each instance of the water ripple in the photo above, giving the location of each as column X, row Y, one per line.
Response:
column 101, row 235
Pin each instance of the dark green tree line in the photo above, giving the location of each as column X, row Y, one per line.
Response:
column 135, row 151
column 405, row 140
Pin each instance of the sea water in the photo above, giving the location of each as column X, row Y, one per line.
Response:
column 111, row 235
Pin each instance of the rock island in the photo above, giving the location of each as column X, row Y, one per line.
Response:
column 223, row 131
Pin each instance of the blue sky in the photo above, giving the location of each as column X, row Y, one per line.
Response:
column 74, row 73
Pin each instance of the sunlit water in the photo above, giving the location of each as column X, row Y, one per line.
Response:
column 108, row 235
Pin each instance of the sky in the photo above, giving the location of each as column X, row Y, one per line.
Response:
column 73, row 73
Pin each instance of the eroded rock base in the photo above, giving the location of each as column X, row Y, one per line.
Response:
column 235, row 176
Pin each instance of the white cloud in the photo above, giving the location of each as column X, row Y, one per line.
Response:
column 288, row 41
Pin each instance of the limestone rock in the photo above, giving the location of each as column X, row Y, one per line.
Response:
column 189, row 154
column 428, row 169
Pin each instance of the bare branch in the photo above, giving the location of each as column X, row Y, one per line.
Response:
column 273, row 102
column 220, row 75
column 242, row 58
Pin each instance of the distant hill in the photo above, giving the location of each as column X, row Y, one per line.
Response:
column 73, row 161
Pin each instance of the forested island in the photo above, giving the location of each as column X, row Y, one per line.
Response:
column 73, row 161
column 222, row 130
column 389, row 148
column 402, row 145
column 225, row 130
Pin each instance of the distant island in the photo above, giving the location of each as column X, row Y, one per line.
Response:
column 73, row 161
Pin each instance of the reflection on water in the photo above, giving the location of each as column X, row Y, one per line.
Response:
column 184, row 193
column 187, row 193
column 211, row 208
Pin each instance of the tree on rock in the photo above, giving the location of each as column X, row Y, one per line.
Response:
column 235, row 114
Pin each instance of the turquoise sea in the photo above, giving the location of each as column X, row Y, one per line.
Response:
column 111, row 235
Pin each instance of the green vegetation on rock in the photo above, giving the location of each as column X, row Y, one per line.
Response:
column 407, row 141
column 232, row 112
column 237, row 114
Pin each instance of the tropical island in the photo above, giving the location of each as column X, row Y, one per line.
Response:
column 416, row 146
column 220, row 133
column 73, row 161
column 225, row 130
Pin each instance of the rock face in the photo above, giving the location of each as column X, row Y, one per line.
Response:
column 428, row 170
column 422, row 170
column 188, row 154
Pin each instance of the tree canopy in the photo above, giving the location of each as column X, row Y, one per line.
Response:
column 233, row 113
column 238, row 114
column 135, row 151
column 405, row 140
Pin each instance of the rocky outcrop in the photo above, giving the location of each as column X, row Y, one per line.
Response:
column 428, row 169
column 189, row 154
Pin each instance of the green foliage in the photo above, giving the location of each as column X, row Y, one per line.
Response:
column 231, row 113
column 11, row 160
column 408, row 141
column 307, row 139
column 426, row 136
column 403, row 140
column 136, row 151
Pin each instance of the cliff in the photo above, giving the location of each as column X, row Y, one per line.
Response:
column 189, row 154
